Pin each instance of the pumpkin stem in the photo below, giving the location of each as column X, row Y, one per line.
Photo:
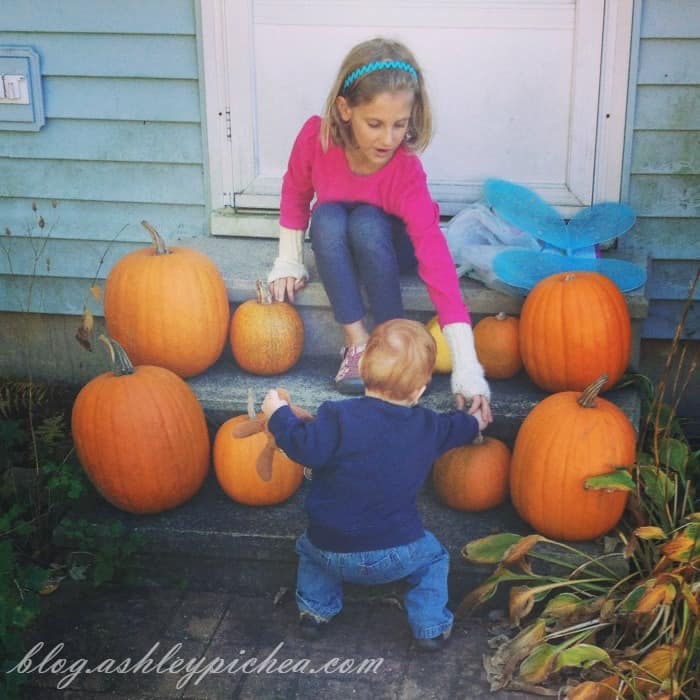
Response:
column 479, row 439
column 250, row 405
column 156, row 238
column 588, row 397
column 501, row 315
column 263, row 293
column 121, row 364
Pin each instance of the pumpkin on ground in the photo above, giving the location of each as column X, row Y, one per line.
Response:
column 267, row 337
column 141, row 436
column 574, row 327
column 168, row 307
column 443, row 357
column 248, row 465
column 473, row 477
column 497, row 345
column 568, row 437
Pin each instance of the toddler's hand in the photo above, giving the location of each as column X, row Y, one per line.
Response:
column 272, row 402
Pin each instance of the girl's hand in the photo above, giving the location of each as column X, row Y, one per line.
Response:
column 286, row 286
column 272, row 402
column 479, row 405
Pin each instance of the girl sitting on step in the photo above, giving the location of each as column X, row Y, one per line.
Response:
column 373, row 216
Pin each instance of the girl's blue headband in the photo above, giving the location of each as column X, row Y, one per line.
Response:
column 378, row 65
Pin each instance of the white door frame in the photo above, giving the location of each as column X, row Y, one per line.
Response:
column 602, row 41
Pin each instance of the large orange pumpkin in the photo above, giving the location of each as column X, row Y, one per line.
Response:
column 248, row 465
column 168, row 307
column 497, row 345
column 567, row 438
column 473, row 477
column 574, row 327
column 141, row 436
column 267, row 337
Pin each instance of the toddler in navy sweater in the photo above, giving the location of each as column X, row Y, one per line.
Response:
column 369, row 457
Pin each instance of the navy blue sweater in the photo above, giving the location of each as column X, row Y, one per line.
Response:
column 369, row 459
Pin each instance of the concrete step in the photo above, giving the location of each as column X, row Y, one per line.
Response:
column 242, row 261
column 223, row 392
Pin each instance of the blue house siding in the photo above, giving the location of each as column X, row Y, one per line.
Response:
column 664, row 168
column 123, row 141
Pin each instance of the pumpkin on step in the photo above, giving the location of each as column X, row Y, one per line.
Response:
column 167, row 307
column 497, row 345
column 141, row 436
column 473, row 477
column 574, row 327
column 568, row 437
column 267, row 337
column 443, row 357
column 248, row 464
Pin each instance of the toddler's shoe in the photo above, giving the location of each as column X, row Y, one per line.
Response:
column 432, row 643
column 348, row 380
column 310, row 627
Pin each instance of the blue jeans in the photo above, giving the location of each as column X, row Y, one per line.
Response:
column 423, row 563
column 359, row 245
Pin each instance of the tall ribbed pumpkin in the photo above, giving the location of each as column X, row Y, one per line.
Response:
column 141, row 436
column 567, row 438
column 168, row 307
column 574, row 327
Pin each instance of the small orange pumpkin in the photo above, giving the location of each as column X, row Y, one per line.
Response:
column 473, row 477
column 248, row 464
column 566, row 438
column 267, row 337
column 168, row 307
column 497, row 344
column 574, row 327
column 141, row 435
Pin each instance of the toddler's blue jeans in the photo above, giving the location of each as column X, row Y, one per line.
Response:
column 359, row 245
column 423, row 563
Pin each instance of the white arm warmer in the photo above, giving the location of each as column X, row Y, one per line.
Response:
column 467, row 373
column 290, row 260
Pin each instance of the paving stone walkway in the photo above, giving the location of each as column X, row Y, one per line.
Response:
column 166, row 627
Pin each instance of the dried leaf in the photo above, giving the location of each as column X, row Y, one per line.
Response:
column 280, row 595
column 650, row 532
column 605, row 689
column 522, row 600
column 96, row 292
column 491, row 549
column 681, row 548
column 537, row 667
column 84, row 333
column 51, row 585
column 651, row 600
column 520, row 549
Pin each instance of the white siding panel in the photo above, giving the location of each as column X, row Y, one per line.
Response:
column 669, row 62
column 668, row 108
column 670, row 18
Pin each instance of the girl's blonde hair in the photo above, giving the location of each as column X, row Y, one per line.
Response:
column 398, row 359
column 366, row 87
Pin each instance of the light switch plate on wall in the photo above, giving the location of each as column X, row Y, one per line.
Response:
column 21, row 96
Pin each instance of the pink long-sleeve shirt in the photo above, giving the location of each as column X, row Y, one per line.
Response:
column 399, row 188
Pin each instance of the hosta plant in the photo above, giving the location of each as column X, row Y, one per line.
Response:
column 621, row 620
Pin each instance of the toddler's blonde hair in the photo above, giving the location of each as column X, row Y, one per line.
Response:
column 365, row 88
column 398, row 360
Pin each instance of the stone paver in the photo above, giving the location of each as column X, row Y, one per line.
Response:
column 202, row 627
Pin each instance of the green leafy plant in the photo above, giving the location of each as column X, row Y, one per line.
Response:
column 40, row 482
column 624, row 622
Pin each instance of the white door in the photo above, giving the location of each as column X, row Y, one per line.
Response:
column 529, row 91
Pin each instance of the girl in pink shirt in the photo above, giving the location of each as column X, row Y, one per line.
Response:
column 373, row 217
